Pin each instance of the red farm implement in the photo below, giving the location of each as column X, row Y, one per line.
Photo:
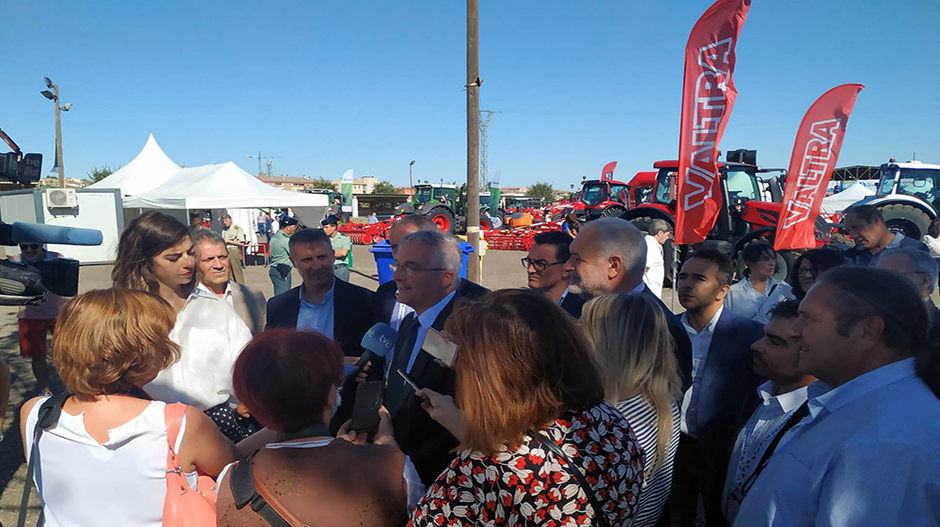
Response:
column 520, row 239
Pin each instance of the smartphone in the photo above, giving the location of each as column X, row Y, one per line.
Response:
column 408, row 381
column 365, row 416
column 437, row 346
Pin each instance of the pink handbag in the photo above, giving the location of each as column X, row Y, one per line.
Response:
column 184, row 507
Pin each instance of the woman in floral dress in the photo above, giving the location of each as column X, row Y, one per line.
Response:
column 527, row 381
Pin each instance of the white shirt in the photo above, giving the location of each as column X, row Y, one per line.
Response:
column 764, row 424
column 701, row 341
column 119, row 482
column 933, row 244
column 655, row 266
column 427, row 320
column 210, row 335
column 227, row 295
column 399, row 312
column 746, row 301
column 275, row 226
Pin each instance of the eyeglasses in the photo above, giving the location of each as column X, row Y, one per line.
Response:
column 538, row 265
column 29, row 246
column 805, row 271
column 410, row 268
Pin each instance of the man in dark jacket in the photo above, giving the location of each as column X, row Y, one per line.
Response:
column 545, row 265
column 866, row 226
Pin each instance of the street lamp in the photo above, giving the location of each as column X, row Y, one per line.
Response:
column 410, row 165
column 54, row 97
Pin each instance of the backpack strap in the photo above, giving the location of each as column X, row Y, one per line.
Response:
column 48, row 416
column 245, row 492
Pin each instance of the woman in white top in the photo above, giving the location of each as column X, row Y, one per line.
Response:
column 156, row 254
column 932, row 239
column 104, row 461
column 640, row 376
column 759, row 292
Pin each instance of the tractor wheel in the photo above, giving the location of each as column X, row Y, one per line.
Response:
column 485, row 223
column 642, row 223
column 906, row 219
column 443, row 218
column 613, row 211
column 785, row 260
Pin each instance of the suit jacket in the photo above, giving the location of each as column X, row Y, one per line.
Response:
column 250, row 305
column 385, row 297
column 573, row 304
column 427, row 443
column 352, row 309
column 934, row 330
column 682, row 346
column 728, row 389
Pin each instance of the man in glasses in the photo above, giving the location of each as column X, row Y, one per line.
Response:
column 36, row 321
column 918, row 267
column 545, row 265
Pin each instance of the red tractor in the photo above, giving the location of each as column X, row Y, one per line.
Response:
column 752, row 209
column 607, row 197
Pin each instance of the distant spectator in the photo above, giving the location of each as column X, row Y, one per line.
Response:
column 640, row 377
column 280, row 264
column 658, row 233
column 342, row 246
column 373, row 219
column 758, row 293
column 36, row 321
column 268, row 224
column 571, row 225
column 932, row 239
column 196, row 221
column 259, row 221
column 104, row 460
column 866, row 226
column 548, row 400
column 810, row 265
column 920, row 269
column 234, row 238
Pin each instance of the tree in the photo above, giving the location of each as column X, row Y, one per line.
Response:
column 542, row 191
column 383, row 187
column 323, row 184
column 97, row 174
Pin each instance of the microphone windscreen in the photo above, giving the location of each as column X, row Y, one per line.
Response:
column 39, row 233
column 380, row 339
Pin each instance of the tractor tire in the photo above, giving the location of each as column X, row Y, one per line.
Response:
column 906, row 219
column 613, row 211
column 642, row 223
column 443, row 218
column 486, row 223
column 785, row 261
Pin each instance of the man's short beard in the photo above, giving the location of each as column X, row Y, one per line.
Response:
column 579, row 288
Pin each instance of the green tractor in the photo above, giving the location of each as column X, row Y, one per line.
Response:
column 446, row 209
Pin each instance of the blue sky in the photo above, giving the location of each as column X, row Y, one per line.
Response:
column 371, row 85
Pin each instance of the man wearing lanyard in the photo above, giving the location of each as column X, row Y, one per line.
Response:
column 341, row 247
column 776, row 357
column 545, row 265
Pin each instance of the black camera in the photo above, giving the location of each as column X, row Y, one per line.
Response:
column 24, row 169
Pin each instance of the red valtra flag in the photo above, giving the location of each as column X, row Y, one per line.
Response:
column 818, row 141
column 607, row 173
column 707, row 98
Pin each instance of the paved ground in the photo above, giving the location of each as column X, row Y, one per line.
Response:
column 501, row 269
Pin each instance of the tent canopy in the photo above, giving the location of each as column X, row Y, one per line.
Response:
column 845, row 199
column 220, row 186
column 151, row 168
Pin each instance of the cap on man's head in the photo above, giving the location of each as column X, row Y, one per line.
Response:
column 329, row 220
column 225, row 216
column 288, row 221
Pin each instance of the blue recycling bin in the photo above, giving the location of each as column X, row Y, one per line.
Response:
column 382, row 252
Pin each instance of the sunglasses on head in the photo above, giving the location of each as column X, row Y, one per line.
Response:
column 29, row 246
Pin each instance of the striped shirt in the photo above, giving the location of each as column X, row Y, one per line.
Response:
column 643, row 419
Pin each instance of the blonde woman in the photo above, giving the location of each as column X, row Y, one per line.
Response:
column 641, row 378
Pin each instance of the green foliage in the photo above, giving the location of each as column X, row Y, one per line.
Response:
column 97, row 174
column 542, row 191
column 323, row 183
column 383, row 187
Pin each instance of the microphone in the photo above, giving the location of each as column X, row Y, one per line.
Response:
column 378, row 342
column 38, row 233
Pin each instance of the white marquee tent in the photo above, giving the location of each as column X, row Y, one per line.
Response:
column 845, row 199
column 151, row 168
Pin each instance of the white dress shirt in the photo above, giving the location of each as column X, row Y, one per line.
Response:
column 701, row 341
column 746, row 301
column 210, row 335
column 399, row 312
column 868, row 453
column 655, row 266
column 759, row 431
column 227, row 296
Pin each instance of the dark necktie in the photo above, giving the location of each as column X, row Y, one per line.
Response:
column 396, row 385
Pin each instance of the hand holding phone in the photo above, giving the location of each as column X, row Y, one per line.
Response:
column 442, row 409
column 365, row 417
column 438, row 346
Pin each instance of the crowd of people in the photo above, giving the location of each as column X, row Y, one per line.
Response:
column 581, row 399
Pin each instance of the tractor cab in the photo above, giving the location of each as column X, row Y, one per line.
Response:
column 427, row 193
column 908, row 196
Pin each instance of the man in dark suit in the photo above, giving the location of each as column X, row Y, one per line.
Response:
column 332, row 307
column 427, row 272
column 723, row 391
column 388, row 308
column 609, row 256
column 545, row 265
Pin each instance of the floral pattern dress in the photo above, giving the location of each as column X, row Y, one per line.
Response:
column 531, row 486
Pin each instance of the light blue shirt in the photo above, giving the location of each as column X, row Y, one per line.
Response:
column 868, row 454
column 317, row 316
column 701, row 341
column 427, row 320
column 744, row 300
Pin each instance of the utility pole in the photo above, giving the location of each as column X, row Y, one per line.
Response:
column 473, row 139
column 410, row 172
column 484, row 126
column 54, row 97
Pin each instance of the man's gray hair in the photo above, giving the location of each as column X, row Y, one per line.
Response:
column 657, row 226
column 419, row 221
column 447, row 254
column 206, row 235
column 919, row 261
column 616, row 237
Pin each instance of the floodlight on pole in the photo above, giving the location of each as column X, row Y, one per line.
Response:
column 410, row 166
column 66, row 107
column 48, row 82
column 48, row 95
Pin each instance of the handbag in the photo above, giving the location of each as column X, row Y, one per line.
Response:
column 184, row 506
